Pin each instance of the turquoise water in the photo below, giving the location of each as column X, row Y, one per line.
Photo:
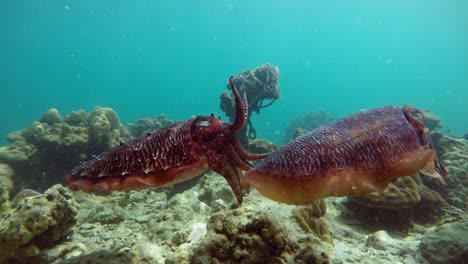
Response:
column 143, row 58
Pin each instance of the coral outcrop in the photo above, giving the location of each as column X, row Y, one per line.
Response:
column 408, row 196
column 22, row 195
column 446, row 243
column 433, row 122
column 261, row 146
column 453, row 155
column 306, row 123
column 261, row 86
column 44, row 152
column 259, row 234
column 240, row 236
column 36, row 223
column 6, row 186
column 203, row 223
column 150, row 124
column 308, row 218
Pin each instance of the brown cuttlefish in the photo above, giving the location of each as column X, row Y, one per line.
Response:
column 353, row 156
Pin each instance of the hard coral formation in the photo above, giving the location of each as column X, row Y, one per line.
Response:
column 51, row 117
column 156, row 226
column 145, row 125
column 6, row 186
column 308, row 122
column 43, row 153
column 261, row 146
column 408, row 196
column 258, row 233
column 261, row 86
column 242, row 237
column 453, row 154
column 433, row 122
column 400, row 193
column 22, row 195
column 308, row 218
column 446, row 244
column 36, row 223
column 105, row 130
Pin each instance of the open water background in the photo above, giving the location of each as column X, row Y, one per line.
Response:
column 143, row 58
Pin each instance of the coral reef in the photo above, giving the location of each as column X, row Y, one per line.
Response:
column 446, row 243
column 453, row 154
column 308, row 122
column 199, row 221
column 36, row 223
column 145, row 125
column 6, row 186
column 44, row 152
column 261, row 86
column 204, row 224
column 156, row 226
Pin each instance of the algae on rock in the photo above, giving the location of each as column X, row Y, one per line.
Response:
column 36, row 223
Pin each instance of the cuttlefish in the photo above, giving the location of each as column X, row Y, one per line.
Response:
column 353, row 156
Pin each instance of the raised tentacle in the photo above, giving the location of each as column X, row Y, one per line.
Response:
column 245, row 154
column 236, row 159
column 241, row 109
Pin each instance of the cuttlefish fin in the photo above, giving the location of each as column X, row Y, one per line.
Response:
column 434, row 169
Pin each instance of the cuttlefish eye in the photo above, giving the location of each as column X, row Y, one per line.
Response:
column 203, row 123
